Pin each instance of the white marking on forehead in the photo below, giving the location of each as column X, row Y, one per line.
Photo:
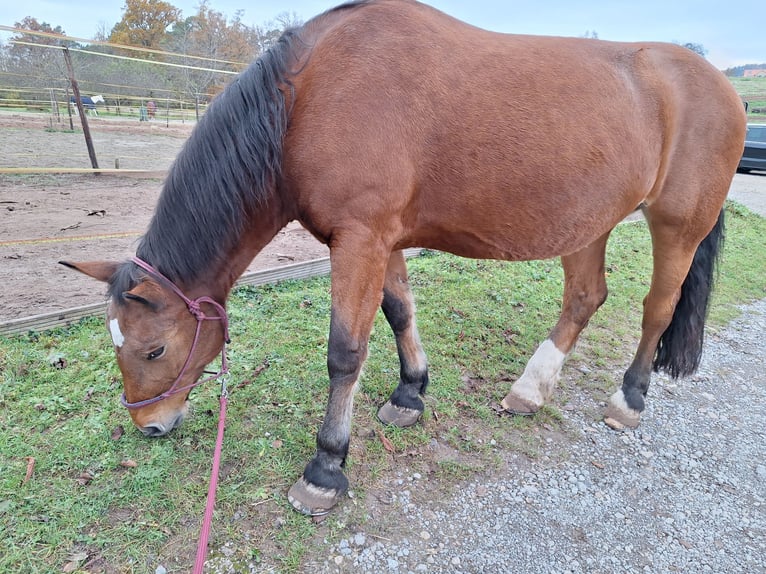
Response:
column 117, row 337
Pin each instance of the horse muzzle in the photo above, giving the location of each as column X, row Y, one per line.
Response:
column 156, row 429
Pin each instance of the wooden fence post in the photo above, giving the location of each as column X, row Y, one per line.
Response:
column 69, row 110
column 78, row 103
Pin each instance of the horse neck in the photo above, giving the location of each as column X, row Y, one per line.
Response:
column 218, row 280
column 203, row 256
column 253, row 240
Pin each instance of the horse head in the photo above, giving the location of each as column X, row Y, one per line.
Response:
column 162, row 348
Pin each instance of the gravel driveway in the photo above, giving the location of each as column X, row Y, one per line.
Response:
column 685, row 492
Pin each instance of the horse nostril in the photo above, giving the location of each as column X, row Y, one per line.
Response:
column 153, row 430
column 178, row 421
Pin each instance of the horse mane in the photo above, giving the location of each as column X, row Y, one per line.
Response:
column 228, row 168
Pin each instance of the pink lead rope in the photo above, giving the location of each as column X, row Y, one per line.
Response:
column 195, row 309
column 207, row 521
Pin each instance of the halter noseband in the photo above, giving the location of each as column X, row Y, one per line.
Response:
column 195, row 308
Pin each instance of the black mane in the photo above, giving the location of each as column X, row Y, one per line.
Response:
column 229, row 167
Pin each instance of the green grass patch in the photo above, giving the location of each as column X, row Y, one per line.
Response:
column 103, row 498
column 753, row 91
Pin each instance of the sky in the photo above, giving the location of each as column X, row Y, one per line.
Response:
column 728, row 30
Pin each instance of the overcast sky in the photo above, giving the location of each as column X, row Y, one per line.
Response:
column 730, row 31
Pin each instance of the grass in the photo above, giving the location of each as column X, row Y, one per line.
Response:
column 753, row 91
column 103, row 498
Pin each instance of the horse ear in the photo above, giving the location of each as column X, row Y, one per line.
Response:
column 101, row 270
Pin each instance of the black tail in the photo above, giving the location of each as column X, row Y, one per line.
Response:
column 680, row 347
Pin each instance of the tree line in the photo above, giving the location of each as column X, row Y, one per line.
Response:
column 180, row 58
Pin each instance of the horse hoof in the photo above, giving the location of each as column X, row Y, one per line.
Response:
column 619, row 415
column 516, row 405
column 390, row 414
column 312, row 500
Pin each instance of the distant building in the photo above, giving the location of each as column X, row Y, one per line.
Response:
column 757, row 73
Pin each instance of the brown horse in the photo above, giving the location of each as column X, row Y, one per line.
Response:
column 385, row 124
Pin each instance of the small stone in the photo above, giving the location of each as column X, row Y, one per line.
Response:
column 160, row 570
column 360, row 539
column 339, row 560
column 614, row 423
column 425, row 535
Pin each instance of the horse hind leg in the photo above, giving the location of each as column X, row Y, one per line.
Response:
column 584, row 292
column 675, row 310
column 405, row 406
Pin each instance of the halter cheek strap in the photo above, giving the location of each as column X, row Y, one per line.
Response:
column 195, row 308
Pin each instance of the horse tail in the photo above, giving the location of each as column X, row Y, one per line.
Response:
column 679, row 349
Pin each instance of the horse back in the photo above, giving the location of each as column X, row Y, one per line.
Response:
column 487, row 144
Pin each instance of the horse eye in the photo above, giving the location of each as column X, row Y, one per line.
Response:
column 157, row 353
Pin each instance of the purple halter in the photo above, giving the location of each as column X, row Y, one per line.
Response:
column 195, row 309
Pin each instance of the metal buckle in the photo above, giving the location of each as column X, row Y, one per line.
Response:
column 224, row 388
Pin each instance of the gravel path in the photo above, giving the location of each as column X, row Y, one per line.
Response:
column 686, row 492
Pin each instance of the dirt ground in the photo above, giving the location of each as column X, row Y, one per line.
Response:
column 47, row 218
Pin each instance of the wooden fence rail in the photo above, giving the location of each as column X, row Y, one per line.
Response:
column 302, row 270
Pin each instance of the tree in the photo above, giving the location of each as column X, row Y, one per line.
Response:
column 145, row 23
column 210, row 35
column 270, row 32
column 37, row 65
column 228, row 44
column 697, row 48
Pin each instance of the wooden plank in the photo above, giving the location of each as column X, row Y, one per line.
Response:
column 148, row 173
column 42, row 322
column 50, row 320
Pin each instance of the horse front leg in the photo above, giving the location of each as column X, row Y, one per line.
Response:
column 405, row 406
column 358, row 270
column 584, row 292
